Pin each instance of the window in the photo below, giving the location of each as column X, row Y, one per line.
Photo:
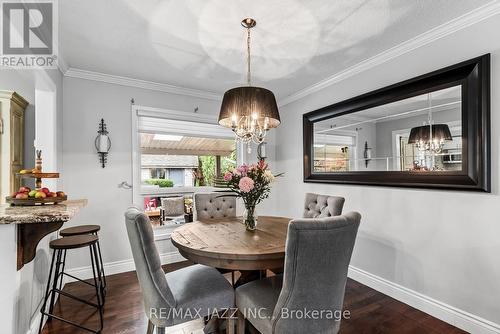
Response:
column 176, row 154
column 334, row 153
column 184, row 161
column 331, row 158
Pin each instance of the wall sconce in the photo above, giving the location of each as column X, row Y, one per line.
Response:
column 367, row 154
column 102, row 143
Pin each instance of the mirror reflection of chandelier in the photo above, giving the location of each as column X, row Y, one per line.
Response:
column 430, row 137
column 249, row 111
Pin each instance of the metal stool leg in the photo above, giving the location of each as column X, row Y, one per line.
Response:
column 56, row 279
column 99, row 274
column 42, row 310
column 93, row 257
column 102, row 266
column 62, row 270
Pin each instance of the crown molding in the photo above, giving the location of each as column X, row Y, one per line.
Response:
column 62, row 65
column 457, row 24
column 143, row 84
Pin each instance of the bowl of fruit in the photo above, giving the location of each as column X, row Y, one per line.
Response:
column 26, row 196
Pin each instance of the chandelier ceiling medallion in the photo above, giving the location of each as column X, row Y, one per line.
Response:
column 249, row 111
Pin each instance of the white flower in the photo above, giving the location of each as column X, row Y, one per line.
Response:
column 268, row 175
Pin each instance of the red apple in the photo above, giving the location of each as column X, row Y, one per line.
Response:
column 61, row 194
column 45, row 190
column 24, row 189
column 52, row 194
column 22, row 196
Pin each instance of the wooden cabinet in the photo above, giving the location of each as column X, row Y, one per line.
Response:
column 12, row 107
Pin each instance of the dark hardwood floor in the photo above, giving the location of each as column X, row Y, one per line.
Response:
column 371, row 311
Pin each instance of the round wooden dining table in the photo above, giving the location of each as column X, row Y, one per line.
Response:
column 226, row 244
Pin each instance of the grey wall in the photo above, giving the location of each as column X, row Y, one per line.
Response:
column 31, row 279
column 442, row 244
column 85, row 103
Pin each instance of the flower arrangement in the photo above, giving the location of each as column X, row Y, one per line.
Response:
column 252, row 184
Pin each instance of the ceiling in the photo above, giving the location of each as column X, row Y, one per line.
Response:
column 200, row 44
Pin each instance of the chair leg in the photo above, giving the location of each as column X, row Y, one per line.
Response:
column 241, row 323
column 151, row 327
column 230, row 326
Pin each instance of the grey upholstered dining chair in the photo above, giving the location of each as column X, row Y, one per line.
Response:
column 318, row 252
column 319, row 206
column 176, row 297
column 212, row 206
column 172, row 209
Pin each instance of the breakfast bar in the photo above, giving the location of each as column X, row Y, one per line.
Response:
column 32, row 223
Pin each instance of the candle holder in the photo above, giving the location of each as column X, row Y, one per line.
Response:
column 102, row 143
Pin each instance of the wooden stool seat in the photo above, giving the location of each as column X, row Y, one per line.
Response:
column 75, row 241
column 85, row 230
column 79, row 230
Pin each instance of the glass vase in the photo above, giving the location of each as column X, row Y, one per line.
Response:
column 250, row 218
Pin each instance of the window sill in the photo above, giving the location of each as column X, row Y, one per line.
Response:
column 162, row 235
column 164, row 232
column 175, row 190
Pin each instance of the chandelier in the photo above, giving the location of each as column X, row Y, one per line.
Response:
column 249, row 111
column 430, row 137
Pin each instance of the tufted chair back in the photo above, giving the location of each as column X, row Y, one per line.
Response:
column 155, row 290
column 318, row 252
column 321, row 206
column 213, row 206
column 173, row 206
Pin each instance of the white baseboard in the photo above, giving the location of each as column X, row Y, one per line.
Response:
column 35, row 323
column 117, row 267
column 452, row 315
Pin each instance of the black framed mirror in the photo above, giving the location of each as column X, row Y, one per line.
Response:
column 432, row 131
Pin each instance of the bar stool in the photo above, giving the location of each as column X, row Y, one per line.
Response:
column 83, row 230
column 59, row 247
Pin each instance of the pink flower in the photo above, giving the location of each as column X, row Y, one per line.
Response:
column 228, row 176
column 243, row 170
column 246, row 184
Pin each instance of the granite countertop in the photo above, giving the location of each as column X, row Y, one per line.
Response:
column 61, row 212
